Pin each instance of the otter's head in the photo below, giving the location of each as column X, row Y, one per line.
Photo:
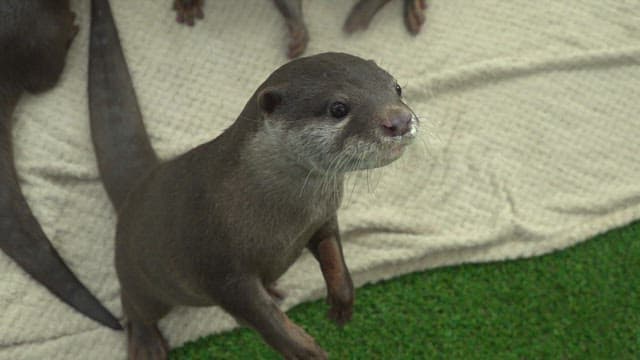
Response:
column 336, row 112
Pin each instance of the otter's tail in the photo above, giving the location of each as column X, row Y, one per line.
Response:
column 121, row 142
column 23, row 240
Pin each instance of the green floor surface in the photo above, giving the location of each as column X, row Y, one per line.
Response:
column 580, row 303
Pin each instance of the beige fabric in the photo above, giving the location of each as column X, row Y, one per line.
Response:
column 530, row 144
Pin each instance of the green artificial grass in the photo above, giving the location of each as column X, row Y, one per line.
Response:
column 580, row 303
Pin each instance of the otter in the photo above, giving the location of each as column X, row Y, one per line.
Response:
column 34, row 38
column 219, row 224
column 188, row 11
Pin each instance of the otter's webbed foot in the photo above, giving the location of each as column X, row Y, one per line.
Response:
column 188, row 11
column 291, row 10
column 146, row 342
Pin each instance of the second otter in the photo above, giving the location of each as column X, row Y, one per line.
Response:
column 221, row 223
column 35, row 36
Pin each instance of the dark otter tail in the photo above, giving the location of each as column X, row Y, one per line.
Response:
column 23, row 240
column 121, row 142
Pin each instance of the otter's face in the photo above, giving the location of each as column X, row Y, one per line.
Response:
column 338, row 113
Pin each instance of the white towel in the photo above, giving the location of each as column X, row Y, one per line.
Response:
column 529, row 143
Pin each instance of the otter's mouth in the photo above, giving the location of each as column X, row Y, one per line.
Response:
column 373, row 151
column 378, row 154
column 392, row 148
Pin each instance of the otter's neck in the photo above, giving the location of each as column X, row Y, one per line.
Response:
column 277, row 172
column 265, row 167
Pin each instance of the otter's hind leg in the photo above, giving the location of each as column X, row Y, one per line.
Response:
column 249, row 302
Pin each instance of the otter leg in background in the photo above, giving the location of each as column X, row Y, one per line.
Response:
column 117, row 129
column 414, row 15
column 32, row 57
column 187, row 11
column 291, row 10
column 363, row 12
column 326, row 247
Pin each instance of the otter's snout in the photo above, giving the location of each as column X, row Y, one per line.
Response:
column 397, row 123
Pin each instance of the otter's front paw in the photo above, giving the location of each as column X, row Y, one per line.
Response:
column 188, row 11
column 363, row 12
column 341, row 304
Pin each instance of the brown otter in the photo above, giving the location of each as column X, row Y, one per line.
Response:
column 34, row 38
column 221, row 223
column 359, row 18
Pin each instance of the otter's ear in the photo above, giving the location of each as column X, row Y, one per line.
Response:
column 269, row 99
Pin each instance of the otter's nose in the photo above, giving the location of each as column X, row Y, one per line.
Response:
column 397, row 124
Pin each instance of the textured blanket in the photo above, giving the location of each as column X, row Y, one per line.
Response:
column 530, row 143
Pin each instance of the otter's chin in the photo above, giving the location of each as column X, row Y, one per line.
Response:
column 396, row 151
column 391, row 153
column 383, row 157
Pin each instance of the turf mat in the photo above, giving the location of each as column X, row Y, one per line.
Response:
column 580, row 303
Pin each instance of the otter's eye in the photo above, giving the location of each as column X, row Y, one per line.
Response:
column 398, row 90
column 339, row 109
